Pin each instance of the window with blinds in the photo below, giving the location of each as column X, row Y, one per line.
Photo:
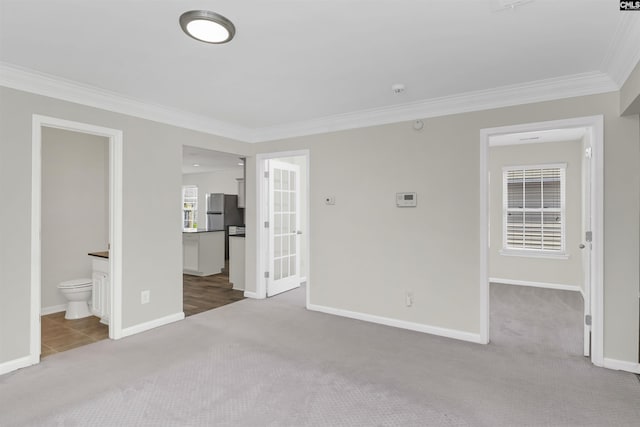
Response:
column 534, row 208
column 189, row 207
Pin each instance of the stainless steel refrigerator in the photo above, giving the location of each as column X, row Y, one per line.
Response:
column 223, row 211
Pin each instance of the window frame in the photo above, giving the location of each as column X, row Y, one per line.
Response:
column 533, row 252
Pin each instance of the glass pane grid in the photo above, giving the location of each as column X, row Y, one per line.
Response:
column 533, row 209
column 285, row 225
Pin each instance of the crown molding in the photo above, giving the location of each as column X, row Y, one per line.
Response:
column 505, row 96
column 538, row 91
column 27, row 80
column 624, row 51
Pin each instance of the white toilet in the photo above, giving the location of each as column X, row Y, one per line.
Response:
column 78, row 293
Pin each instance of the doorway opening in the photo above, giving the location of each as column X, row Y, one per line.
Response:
column 213, row 204
column 541, row 229
column 62, row 187
column 283, row 224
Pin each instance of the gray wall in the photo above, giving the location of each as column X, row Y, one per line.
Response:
column 212, row 182
column 546, row 270
column 152, row 181
column 75, row 207
column 365, row 252
column 630, row 93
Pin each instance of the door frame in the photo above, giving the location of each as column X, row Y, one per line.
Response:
column 595, row 126
column 262, row 215
column 115, row 222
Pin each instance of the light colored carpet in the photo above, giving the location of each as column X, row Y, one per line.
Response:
column 272, row 363
column 537, row 320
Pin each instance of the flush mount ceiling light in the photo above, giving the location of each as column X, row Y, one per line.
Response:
column 207, row 26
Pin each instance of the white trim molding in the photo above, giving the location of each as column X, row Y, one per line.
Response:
column 623, row 53
column 254, row 295
column 396, row 323
column 622, row 365
column 504, row 96
column 53, row 309
column 12, row 365
column 581, row 84
column 558, row 286
column 27, row 80
column 142, row 327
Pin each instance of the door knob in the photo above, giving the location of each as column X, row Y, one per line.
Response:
column 581, row 246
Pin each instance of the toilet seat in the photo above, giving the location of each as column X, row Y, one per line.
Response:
column 75, row 283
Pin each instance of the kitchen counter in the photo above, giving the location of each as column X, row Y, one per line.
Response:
column 102, row 254
column 199, row 230
column 203, row 252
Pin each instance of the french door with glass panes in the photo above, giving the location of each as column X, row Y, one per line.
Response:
column 284, row 248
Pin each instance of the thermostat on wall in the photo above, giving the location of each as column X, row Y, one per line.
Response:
column 406, row 200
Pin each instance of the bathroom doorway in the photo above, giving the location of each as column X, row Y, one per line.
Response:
column 77, row 211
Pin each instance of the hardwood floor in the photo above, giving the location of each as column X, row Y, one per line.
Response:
column 208, row 292
column 59, row 334
column 199, row 294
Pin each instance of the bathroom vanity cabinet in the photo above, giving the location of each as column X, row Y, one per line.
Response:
column 101, row 295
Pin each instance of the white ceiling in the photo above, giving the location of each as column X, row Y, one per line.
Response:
column 305, row 66
column 208, row 160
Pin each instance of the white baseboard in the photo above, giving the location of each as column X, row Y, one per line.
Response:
column 621, row 365
column 142, row 327
column 52, row 309
column 559, row 286
column 249, row 294
column 419, row 327
column 12, row 365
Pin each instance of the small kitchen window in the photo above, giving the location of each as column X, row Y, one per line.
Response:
column 534, row 213
column 189, row 207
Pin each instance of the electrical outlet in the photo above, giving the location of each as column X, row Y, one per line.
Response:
column 145, row 296
column 408, row 298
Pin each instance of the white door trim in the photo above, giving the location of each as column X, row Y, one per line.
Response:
column 596, row 126
column 262, row 244
column 115, row 221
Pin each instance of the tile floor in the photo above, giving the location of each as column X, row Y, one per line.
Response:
column 60, row 334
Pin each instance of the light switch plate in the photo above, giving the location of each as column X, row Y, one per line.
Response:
column 145, row 296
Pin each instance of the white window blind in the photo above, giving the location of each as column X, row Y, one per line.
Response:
column 534, row 208
column 189, row 207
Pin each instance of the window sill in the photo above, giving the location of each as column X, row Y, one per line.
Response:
column 534, row 254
